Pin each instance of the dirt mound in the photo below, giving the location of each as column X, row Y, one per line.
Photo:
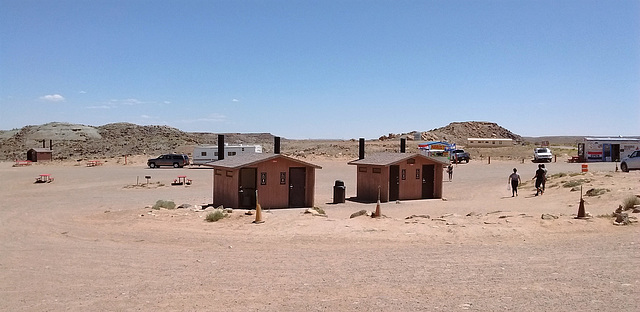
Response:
column 459, row 132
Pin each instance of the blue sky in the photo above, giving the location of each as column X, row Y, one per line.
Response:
column 323, row 69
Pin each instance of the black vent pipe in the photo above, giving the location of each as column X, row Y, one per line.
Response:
column 220, row 147
column 276, row 145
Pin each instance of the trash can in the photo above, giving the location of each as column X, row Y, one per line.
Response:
column 339, row 191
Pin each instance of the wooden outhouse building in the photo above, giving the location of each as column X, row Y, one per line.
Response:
column 398, row 176
column 39, row 154
column 281, row 181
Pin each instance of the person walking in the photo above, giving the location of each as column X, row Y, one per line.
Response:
column 539, row 177
column 514, row 179
column 544, row 182
column 450, row 171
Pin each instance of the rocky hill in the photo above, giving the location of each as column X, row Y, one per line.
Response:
column 458, row 132
column 73, row 141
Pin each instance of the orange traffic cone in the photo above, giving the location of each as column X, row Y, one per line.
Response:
column 258, row 211
column 581, row 213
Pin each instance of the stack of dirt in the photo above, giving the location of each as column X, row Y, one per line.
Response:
column 459, row 132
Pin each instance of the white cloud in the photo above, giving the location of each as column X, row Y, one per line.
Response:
column 235, row 100
column 82, row 92
column 100, row 107
column 209, row 118
column 53, row 98
column 131, row 101
column 145, row 116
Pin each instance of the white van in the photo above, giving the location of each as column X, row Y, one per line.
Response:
column 205, row 154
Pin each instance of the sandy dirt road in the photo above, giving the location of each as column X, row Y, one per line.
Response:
column 89, row 242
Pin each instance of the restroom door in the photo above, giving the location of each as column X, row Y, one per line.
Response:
column 394, row 183
column 428, row 180
column 297, row 187
column 247, row 188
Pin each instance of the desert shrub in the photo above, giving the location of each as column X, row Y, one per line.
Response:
column 215, row 215
column 596, row 192
column 630, row 201
column 574, row 183
column 167, row 204
column 559, row 175
column 573, row 174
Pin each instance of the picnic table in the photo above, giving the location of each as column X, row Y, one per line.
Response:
column 44, row 178
column 181, row 180
column 574, row 159
column 20, row 163
column 93, row 163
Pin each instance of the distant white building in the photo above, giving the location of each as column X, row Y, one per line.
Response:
column 488, row 142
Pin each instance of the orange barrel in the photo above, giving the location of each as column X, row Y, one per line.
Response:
column 585, row 168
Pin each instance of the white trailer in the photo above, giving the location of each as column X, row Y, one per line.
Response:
column 205, row 154
column 607, row 148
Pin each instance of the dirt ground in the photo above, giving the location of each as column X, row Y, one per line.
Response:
column 89, row 241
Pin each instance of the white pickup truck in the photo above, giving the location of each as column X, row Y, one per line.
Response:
column 542, row 154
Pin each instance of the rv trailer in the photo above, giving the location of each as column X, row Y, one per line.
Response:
column 205, row 154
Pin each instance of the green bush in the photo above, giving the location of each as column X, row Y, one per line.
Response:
column 215, row 215
column 630, row 201
column 167, row 204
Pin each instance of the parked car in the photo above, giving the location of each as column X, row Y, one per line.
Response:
column 631, row 162
column 460, row 156
column 175, row 160
column 542, row 154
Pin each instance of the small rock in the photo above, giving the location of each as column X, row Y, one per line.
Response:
column 546, row 216
column 184, row 206
column 619, row 210
column 359, row 213
column 621, row 219
column 228, row 210
column 418, row 216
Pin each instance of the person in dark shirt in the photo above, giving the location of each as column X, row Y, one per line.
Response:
column 540, row 179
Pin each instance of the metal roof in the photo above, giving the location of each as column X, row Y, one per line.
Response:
column 388, row 159
column 244, row 160
column 489, row 139
column 42, row 150
column 612, row 139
